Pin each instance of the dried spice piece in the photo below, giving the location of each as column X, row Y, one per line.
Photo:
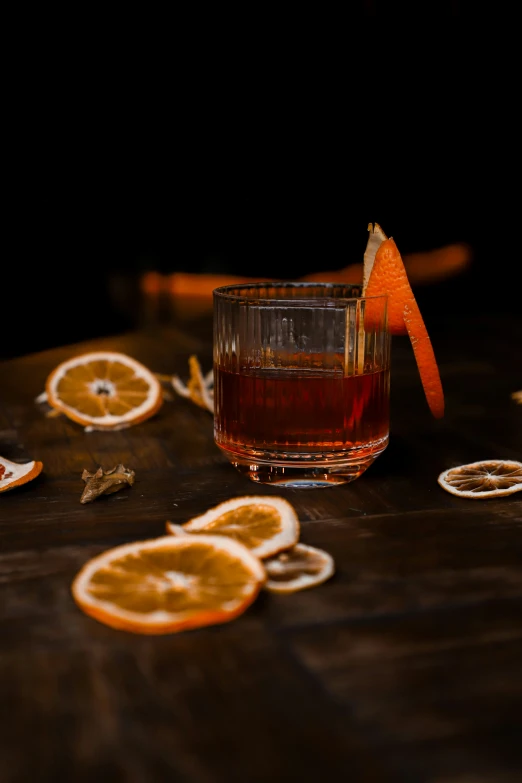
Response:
column 388, row 276
column 104, row 482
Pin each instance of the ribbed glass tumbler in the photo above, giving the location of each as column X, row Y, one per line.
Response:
column 301, row 381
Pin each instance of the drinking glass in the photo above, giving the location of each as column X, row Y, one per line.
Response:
column 301, row 381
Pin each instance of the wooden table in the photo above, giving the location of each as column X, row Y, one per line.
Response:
column 406, row 666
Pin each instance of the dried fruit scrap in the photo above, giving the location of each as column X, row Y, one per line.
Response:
column 14, row 474
column 105, row 482
column 199, row 388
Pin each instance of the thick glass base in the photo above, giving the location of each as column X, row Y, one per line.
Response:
column 306, row 471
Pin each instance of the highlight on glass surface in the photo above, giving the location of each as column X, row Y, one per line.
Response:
column 301, row 381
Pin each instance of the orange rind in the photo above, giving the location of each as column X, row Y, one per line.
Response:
column 387, row 276
column 15, row 474
column 199, row 388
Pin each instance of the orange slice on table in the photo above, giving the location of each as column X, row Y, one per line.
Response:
column 387, row 275
column 169, row 584
column 298, row 568
column 265, row 525
column 14, row 474
column 489, row 478
column 104, row 390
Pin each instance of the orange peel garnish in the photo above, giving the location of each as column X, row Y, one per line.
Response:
column 388, row 276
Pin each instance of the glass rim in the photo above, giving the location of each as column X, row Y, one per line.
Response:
column 224, row 292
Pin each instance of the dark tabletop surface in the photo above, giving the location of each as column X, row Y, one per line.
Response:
column 405, row 667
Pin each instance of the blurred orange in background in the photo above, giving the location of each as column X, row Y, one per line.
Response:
column 185, row 294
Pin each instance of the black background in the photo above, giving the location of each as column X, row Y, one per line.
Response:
column 93, row 224
column 267, row 175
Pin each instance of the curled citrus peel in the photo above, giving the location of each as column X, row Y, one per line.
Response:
column 14, row 474
column 385, row 273
column 199, row 388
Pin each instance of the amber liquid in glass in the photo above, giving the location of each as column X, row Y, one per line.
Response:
column 298, row 410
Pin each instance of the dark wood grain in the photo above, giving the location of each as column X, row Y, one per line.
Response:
column 406, row 667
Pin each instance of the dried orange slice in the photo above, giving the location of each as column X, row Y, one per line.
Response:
column 488, row 478
column 265, row 525
column 388, row 276
column 298, row 568
column 104, row 390
column 14, row 474
column 169, row 584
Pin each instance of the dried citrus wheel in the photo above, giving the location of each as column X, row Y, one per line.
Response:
column 388, row 276
column 489, row 478
column 14, row 474
column 300, row 567
column 265, row 525
column 169, row 584
column 104, row 390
